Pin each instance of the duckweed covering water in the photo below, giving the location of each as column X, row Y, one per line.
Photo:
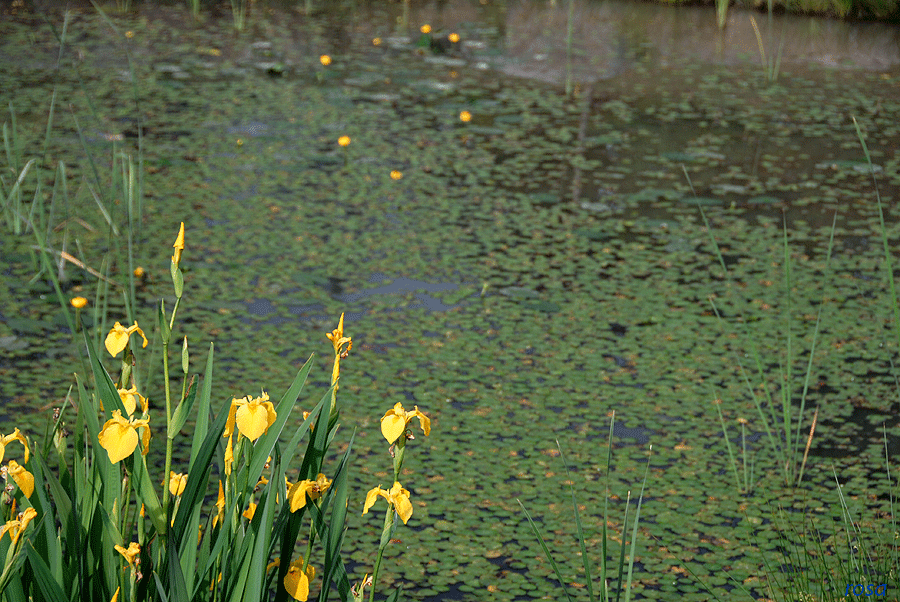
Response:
column 512, row 306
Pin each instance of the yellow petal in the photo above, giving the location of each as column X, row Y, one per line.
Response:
column 392, row 426
column 179, row 245
column 424, row 421
column 23, row 478
column 297, row 494
column 115, row 597
column 130, row 553
column 220, row 504
column 177, row 482
column 255, row 417
column 229, row 457
column 128, row 397
column 116, row 340
column 296, row 581
column 321, row 486
column 145, row 434
column 399, row 498
column 250, row 511
column 372, row 497
column 118, row 437
column 229, row 424
column 135, row 328
column 16, row 435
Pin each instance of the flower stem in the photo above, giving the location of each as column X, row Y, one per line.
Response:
column 169, row 441
column 385, row 540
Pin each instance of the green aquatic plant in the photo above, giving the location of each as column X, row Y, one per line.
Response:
column 394, row 425
column 84, row 505
column 623, row 578
column 848, row 557
column 772, row 64
column 722, row 13
column 783, row 428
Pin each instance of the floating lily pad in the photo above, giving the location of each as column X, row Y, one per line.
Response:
column 762, row 200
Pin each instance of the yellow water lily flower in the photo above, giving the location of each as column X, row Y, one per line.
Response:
column 296, row 581
column 16, row 526
column 177, row 483
column 395, row 420
column 398, row 497
column 314, row 489
column 131, row 398
column 253, row 416
column 117, row 339
column 119, row 437
column 179, row 245
column 130, row 553
column 16, row 435
column 220, row 505
column 78, row 302
column 23, row 478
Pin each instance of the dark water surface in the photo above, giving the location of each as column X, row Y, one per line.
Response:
column 533, row 270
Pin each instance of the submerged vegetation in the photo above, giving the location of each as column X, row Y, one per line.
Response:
column 702, row 252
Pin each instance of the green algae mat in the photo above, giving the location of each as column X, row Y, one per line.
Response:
column 518, row 274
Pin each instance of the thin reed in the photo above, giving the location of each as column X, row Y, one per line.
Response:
column 623, row 578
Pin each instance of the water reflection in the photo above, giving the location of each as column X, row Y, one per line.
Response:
column 612, row 36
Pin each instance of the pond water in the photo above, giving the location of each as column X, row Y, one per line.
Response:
column 521, row 275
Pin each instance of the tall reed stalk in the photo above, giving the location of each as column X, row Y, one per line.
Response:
column 623, row 577
column 783, row 428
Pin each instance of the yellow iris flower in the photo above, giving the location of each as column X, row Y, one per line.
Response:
column 398, row 497
column 250, row 511
column 338, row 340
column 177, row 483
column 395, row 420
column 130, row 553
column 296, row 581
column 130, row 399
column 119, row 437
column 314, row 489
column 118, row 336
column 17, row 526
column 23, row 478
column 179, row 245
column 16, row 435
column 252, row 416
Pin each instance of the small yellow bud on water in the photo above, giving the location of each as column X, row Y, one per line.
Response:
column 139, row 272
column 344, row 140
column 396, row 175
column 465, row 117
column 325, row 60
column 79, row 302
column 453, row 37
column 425, row 28
column 376, row 42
